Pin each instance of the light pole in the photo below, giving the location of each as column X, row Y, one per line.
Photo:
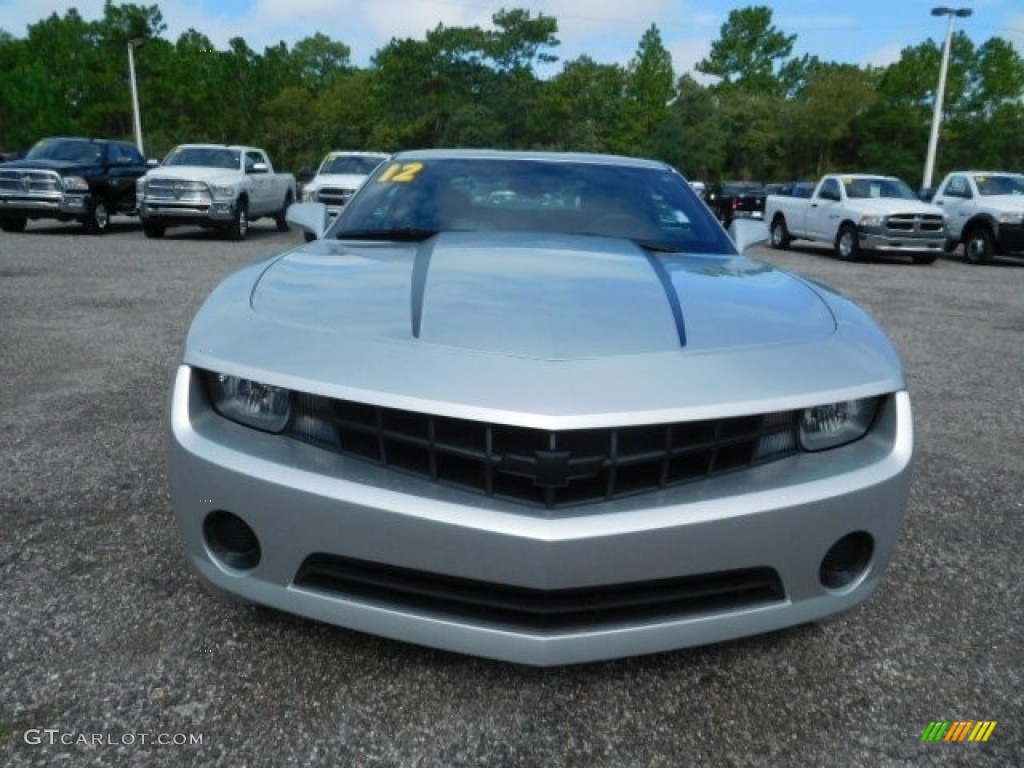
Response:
column 933, row 138
column 132, row 45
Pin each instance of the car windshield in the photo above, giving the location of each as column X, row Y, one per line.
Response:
column 70, row 150
column 1000, row 185
column 878, row 187
column 414, row 198
column 358, row 165
column 207, row 157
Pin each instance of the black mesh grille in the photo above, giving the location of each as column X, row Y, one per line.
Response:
column 535, row 609
column 551, row 469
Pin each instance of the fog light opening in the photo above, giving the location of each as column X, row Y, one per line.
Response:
column 847, row 560
column 231, row 540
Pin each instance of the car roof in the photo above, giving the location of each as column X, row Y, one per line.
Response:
column 552, row 157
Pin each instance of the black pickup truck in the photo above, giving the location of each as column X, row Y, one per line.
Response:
column 70, row 179
column 736, row 199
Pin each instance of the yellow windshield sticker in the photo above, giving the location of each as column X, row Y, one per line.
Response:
column 400, row 172
column 847, row 181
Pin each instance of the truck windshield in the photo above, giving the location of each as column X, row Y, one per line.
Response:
column 206, row 157
column 878, row 187
column 1000, row 185
column 69, row 150
column 360, row 165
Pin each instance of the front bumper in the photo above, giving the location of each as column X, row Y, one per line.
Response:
column 1010, row 238
column 190, row 212
column 872, row 239
column 305, row 504
column 65, row 206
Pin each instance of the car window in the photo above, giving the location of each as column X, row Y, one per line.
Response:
column 829, row 189
column 360, row 165
column 1000, row 185
column 877, row 187
column 207, row 157
column 655, row 207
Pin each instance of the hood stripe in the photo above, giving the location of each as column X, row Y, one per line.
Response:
column 420, row 269
column 671, row 294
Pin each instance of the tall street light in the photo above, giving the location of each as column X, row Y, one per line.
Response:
column 933, row 139
column 132, row 45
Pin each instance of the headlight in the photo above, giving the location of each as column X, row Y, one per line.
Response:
column 223, row 192
column 310, row 194
column 140, row 188
column 872, row 221
column 829, row 426
column 75, row 184
column 256, row 405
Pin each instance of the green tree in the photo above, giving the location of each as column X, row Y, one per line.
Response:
column 649, row 89
column 749, row 51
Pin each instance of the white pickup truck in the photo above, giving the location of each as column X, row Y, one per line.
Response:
column 984, row 211
column 856, row 213
column 215, row 186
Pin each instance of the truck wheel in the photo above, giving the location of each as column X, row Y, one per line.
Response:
column 97, row 218
column 14, row 224
column 847, row 243
column 979, row 246
column 154, row 230
column 780, row 234
column 281, row 218
column 239, row 228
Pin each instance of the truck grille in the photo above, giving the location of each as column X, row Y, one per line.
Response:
column 29, row 183
column 539, row 609
column 177, row 190
column 337, row 196
column 550, row 469
column 925, row 223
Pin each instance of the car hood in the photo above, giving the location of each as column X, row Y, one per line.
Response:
column 344, row 180
column 196, row 172
column 63, row 167
column 1003, row 203
column 883, row 206
column 551, row 297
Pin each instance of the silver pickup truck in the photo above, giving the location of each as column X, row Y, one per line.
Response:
column 216, row 186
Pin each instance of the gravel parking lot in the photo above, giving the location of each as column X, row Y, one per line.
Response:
column 110, row 647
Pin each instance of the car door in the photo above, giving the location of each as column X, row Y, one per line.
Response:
column 259, row 183
column 821, row 212
column 957, row 202
column 124, row 166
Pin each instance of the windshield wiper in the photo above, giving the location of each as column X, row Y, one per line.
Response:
column 401, row 234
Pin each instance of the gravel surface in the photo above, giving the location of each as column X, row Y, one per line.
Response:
column 110, row 644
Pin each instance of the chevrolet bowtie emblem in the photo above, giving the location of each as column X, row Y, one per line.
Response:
column 551, row 469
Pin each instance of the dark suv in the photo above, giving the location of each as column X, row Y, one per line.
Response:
column 70, row 179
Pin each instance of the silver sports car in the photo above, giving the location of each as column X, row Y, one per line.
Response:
column 536, row 407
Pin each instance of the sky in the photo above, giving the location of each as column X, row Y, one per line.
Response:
column 862, row 32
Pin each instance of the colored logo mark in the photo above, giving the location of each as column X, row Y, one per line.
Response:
column 958, row 730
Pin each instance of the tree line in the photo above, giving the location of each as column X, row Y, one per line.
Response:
column 763, row 112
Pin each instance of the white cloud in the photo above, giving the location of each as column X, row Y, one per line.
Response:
column 882, row 57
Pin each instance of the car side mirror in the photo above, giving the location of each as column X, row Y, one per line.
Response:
column 746, row 233
column 309, row 217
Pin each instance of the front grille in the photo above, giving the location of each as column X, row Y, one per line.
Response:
column 538, row 609
column 338, row 196
column 551, row 469
column 177, row 190
column 29, row 183
column 915, row 222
